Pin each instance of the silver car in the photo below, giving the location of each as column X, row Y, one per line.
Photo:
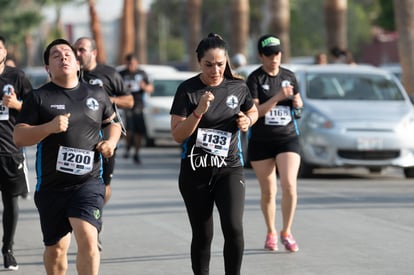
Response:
column 158, row 104
column 354, row 116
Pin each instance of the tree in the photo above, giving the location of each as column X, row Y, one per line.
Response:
column 17, row 20
column 303, row 23
column 404, row 19
column 335, row 23
column 96, row 30
column 140, row 17
column 280, row 23
column 194, row 23
column 240, row 26
column 127, row 30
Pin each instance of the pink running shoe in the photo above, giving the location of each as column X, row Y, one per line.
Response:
column 271, row 242
column 289, row 242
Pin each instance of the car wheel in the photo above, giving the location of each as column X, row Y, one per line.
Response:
column 409, row 172
column 305, row 170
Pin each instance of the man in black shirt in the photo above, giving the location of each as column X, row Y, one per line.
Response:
column 107, row 77
column 65, row 118
column 14, row 86
column 137, row 82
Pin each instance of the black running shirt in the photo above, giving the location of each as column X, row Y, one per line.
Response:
column 107, row 77
column 132, row 81
column 262, row 87
column 11, row 77
column 78, row 160
column 217, row 131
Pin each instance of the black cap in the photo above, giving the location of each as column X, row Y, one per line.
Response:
column 268, row 45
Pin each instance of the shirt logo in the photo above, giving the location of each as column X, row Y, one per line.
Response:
column 97, row 214
column 265, row 87
column 232, row 101
column 92, row 104
column 58, row 106
column 96, row 81
column 7, row 89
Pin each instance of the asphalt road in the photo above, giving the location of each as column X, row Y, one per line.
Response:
column 347, row 222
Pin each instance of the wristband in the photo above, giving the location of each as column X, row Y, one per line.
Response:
column 197, row 116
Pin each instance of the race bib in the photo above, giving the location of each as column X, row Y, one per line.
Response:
column 4, row 112
column 278, row 116
column 74, row 161
column 214, row 141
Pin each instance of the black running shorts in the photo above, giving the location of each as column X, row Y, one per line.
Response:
column 13, row 174
column 55, row 207
column 261, row 150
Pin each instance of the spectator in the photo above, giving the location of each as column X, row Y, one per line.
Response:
column 321, row 59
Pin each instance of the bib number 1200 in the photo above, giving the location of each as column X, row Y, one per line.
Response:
column 74, row 161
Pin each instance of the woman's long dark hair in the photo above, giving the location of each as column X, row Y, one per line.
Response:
column 214, row 41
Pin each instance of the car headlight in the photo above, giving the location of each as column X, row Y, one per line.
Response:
column 407, row 125
column 317, row 120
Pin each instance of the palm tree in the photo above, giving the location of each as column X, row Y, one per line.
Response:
column 404, row 19
column 279, row 24
column 335, row 23
column 140, row 31
column 127, row 30
column 96, row 30
column 240, row 26
column 194, row 23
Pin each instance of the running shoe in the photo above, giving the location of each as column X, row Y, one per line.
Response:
column 9, row 261
column 271, row 242
column 289, row 242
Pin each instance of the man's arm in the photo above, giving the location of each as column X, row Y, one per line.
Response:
column 27, row 135
column 123, row 101
column 113, row 133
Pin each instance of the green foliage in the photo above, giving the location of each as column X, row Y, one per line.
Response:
column 164, row 29
column 19, row 25
column 385, row 17
column 17, row 20
column 307, row 30
column 257, row 12
column 359, row 27
column 175, row 49
column 307, row 26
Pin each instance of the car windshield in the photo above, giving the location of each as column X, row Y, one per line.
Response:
column 351, row 87
column 165, row 87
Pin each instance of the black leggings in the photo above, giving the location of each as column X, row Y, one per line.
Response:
column 10, row 216
column 201, row 189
